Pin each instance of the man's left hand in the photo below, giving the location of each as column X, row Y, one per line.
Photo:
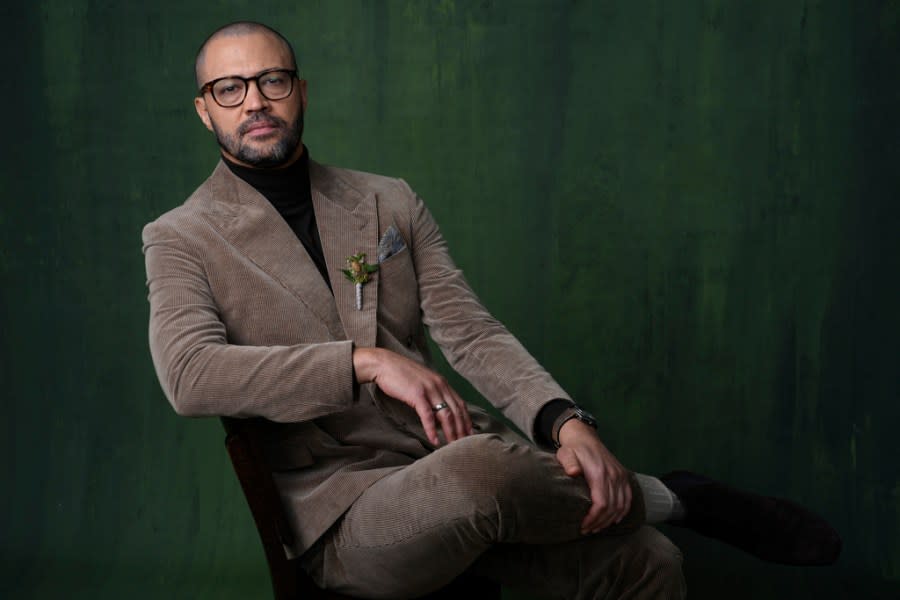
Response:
column 582, row 453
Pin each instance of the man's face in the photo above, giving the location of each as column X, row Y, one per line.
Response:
column 259, row 133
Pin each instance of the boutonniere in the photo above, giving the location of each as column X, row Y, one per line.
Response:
column 358, row 272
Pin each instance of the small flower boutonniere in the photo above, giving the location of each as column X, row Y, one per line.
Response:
column 358, row 272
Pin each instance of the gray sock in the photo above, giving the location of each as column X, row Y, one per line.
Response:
column 660, row 502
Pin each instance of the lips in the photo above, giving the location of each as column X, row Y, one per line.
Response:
column 260, row 128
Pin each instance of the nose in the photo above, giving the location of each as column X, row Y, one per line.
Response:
column 254, row 101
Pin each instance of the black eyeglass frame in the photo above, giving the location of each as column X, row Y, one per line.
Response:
column 208, row 86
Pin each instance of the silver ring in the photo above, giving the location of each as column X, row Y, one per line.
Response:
column 440, row 407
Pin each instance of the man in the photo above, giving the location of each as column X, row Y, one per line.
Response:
column 297, row 292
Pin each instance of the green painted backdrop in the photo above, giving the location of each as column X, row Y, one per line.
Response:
column 687, row 210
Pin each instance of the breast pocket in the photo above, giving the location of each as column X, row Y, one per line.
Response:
column 398, row 293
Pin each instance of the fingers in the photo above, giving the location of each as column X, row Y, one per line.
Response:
column 621, row 491
column 626, row 506
column 466, row 417
column 610, row 500
column 462, row 420
column 426, row 416
column 599, row 515
column 454, row 419
column 604, row 507
column 447, row 420
column 418, row 386
column 582, row 453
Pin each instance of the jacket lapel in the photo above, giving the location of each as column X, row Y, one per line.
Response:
column 252, row 225
column 348, row 224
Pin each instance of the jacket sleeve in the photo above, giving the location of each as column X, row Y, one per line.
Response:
column 202, row 374
column 475, row 344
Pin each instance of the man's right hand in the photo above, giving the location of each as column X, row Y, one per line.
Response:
column 417, row 386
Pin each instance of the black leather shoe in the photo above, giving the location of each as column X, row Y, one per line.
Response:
column 773, row 529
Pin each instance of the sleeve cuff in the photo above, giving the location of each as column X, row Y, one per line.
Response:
column 545, row 419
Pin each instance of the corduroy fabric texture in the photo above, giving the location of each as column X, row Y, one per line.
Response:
column 502, row 505
column 242, row 324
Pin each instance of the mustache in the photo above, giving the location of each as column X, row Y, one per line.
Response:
column 260, row 118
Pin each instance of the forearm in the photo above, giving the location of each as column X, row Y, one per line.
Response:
column 476, row 344
column 280, row 383
column 203, row 374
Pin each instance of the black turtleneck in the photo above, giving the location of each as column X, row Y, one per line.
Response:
column 287, row 189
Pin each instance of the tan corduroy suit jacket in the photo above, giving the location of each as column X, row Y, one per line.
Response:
column 242, row 324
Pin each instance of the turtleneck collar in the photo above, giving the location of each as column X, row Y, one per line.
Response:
column 286, row 188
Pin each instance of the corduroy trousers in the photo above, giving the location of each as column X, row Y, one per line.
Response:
column 502, row 509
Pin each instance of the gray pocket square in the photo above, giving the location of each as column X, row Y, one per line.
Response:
column 391, row 243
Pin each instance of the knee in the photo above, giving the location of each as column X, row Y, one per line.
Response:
column 491, row 473
column 510, row 487
column 480, row 464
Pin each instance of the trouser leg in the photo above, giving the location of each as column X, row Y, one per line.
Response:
column 420, row 527
column 642, row 564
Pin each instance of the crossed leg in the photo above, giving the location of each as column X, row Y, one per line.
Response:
column 502, row 507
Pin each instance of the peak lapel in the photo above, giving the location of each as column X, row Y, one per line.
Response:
column 348, row 224
column 252, row 225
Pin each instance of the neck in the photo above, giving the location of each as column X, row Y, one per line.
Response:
column 297, row 155
column 284, row 187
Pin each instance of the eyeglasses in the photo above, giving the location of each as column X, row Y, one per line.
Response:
column 228, row 92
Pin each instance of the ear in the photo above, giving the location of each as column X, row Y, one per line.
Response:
column 302, row 83
column 200, row 106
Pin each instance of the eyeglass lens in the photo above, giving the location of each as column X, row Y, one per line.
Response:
column 274, row 85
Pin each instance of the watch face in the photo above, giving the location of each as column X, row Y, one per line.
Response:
column 585, row 417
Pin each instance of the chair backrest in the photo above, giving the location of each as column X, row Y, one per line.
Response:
column 289, row 580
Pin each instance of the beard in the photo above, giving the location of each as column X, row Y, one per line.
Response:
column 261, row 154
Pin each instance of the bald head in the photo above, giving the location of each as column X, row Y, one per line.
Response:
column 238, row 29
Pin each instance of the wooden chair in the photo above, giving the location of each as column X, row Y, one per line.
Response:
column 289, row 580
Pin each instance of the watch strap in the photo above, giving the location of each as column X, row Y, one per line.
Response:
column 573, row 412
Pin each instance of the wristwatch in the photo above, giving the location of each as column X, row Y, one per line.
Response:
column 575, row 412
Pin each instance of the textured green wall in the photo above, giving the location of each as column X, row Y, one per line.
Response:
column 687, row 210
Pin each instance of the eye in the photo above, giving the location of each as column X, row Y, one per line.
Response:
column 228, row 87
column 273, row 79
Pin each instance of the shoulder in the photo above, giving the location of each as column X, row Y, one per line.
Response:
column 366, row 184
column 189, row 214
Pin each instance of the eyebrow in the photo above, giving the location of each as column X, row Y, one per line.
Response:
column 257, row 74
